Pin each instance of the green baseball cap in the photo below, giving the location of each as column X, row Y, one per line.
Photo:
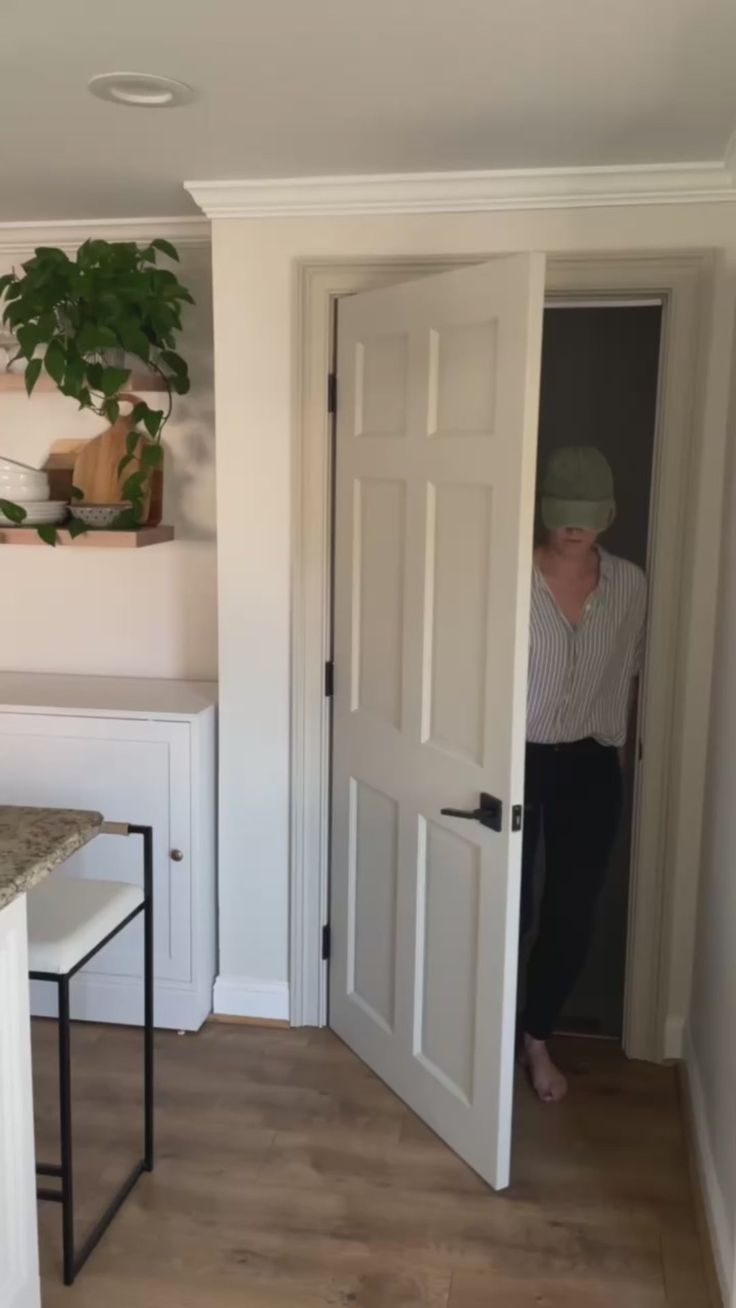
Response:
column 577, row 490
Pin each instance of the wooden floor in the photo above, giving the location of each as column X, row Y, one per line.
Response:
column 288, row 1176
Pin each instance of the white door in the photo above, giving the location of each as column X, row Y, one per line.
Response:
column 438, row 385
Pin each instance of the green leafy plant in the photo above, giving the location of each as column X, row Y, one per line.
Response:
column 70, row 316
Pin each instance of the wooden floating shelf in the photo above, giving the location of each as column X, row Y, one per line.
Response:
column 15, row 381
column 108, row 540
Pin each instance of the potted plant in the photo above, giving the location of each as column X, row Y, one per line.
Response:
column 76, row 318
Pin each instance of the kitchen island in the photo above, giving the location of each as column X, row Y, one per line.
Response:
column 33, row 842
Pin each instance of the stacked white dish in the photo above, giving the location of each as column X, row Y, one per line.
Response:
column 29, row 488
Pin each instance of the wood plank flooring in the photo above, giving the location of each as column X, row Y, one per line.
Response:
column 288, row 1176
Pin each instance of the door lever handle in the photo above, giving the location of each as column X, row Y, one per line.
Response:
column 490, row 813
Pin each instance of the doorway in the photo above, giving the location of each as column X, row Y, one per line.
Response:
column 681, row 542
column 599, row 386
column 436, row 438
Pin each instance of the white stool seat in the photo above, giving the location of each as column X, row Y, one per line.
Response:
column 68, row 916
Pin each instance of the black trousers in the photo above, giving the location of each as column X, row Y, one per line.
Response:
column 573, row 797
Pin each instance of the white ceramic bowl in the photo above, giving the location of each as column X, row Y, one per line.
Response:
column 24, row 493
column 38, row 513
column 15, row 466
column 22, row 474
column 19, row 481
column 98, row 515
column 19, row 476
column 24, row 488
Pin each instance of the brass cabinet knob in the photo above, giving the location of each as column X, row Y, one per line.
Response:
column 176, row 856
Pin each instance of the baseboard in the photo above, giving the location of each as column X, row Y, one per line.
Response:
column 245, row 996
column 715, row 1227
column 230, row 1019
column 175, row 1007
column 674, row 1030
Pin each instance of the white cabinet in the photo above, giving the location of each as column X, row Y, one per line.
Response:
column 140, row 752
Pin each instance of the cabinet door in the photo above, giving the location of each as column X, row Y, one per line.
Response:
column 130, row 771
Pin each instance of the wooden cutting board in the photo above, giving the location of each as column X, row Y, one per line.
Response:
column 95, row 471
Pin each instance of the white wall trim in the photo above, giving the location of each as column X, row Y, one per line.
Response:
column 719, row 1222
column 22, row 238
column 245, row 996
column 465, row 192
column 119, row 999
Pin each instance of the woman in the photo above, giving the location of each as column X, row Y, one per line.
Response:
column 586, row 634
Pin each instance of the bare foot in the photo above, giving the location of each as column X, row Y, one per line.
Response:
column 547, row 1080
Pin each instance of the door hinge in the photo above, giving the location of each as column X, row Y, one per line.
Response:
column 332, row 392
column 326, row 942
column 329, row 679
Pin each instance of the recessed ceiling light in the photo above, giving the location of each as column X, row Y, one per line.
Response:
column 141, row 90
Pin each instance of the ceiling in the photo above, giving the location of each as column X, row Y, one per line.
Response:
column 293, row 88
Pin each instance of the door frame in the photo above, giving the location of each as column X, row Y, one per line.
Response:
column 670, row 785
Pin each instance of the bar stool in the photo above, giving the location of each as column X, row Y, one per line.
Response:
column 69, row 920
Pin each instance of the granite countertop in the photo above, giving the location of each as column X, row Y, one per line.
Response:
column 33, row 841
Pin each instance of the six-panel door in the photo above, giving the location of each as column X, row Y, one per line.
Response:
column 436, row 436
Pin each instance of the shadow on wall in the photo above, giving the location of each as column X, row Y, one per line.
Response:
column 191, row 483
column 189, row 495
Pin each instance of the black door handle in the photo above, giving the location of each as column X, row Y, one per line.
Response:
column 490, row 813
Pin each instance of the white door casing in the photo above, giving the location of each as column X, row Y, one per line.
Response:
column 438, row 384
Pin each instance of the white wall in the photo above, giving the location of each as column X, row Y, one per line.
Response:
column 711, row 1042
column 257, row 346
column 147, row 613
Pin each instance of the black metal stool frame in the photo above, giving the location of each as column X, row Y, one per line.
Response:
column 74, row 1259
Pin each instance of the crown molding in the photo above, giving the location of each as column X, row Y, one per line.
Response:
column 465, row 192
column 19, row 239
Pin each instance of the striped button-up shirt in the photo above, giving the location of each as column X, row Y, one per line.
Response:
column 580, row 677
